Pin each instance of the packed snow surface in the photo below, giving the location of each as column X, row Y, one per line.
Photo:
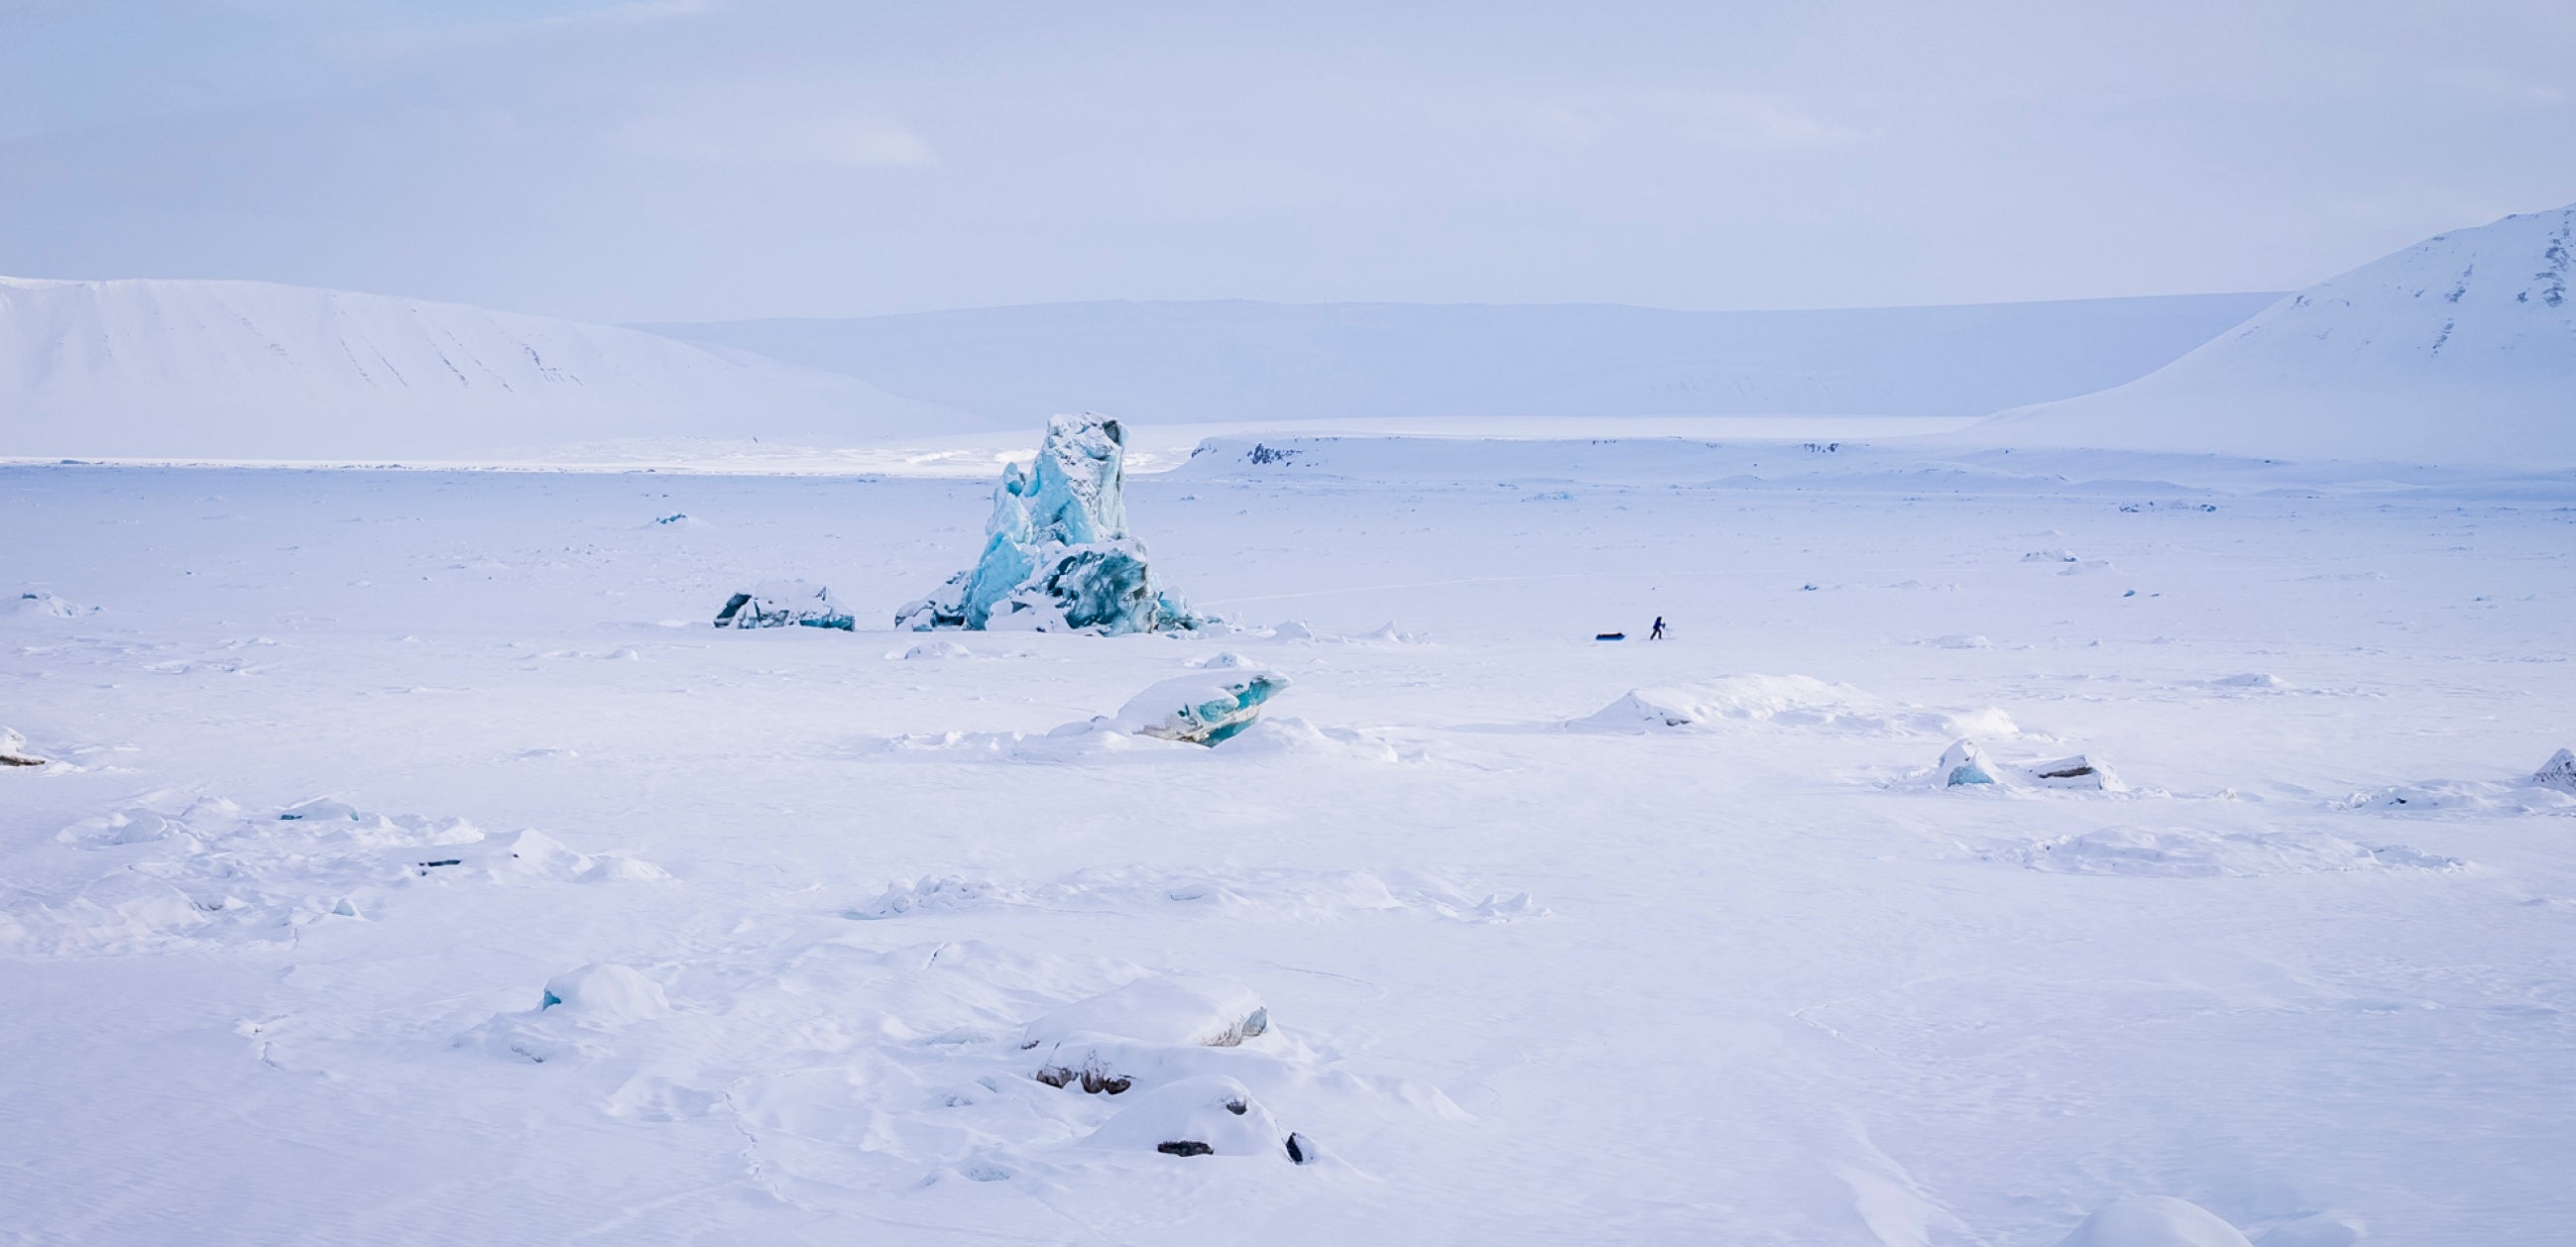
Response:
column 252, row 370
column 2458, row 350
column 1236, row 360
column 413, row 863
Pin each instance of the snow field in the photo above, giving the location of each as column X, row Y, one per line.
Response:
column 1746, row 979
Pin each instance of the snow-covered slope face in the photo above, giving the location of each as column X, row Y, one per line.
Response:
column 1235, row 360
column 2460, row 349
column 249, row 369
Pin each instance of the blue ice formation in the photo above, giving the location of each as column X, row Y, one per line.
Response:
column 785, row 603
column 1057, row 554
column 1202, row 709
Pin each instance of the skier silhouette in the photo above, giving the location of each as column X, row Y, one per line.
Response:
column 1658, row 633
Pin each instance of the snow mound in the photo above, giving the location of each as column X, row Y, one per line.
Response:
column 575, row 1018
column 2458, row 350
column 934, row 651
column 1057, row 554
column 46, row 606
column 1209, row 1115
column 784, row 604
column 1784, row 701
column 2559, row 773
column 1965, row 766
column 237, row 369
column 1110, row 1042
column 2153, row 1221
column 2251, row 679
column 13, row 750
column 2185, row 853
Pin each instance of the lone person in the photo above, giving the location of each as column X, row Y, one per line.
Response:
column 1658, row 633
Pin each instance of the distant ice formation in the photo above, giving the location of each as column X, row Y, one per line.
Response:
column 1057, row 553
column 784, row 604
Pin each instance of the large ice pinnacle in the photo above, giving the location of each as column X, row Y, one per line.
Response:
column 1057, row 554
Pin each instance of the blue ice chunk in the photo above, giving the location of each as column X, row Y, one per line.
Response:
column 1057, row 554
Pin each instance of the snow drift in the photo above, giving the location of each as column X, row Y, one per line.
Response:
column 239, row 369
column 2458, row 350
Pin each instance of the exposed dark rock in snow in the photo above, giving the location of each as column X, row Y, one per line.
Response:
column 2558, row 772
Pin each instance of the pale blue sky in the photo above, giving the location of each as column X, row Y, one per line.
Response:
column 697, row 159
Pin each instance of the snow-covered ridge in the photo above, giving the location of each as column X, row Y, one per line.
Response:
column 242, row 369
column 1239, row 360
column 2459, row 349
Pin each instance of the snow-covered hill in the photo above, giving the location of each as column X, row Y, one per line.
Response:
column 234, row 369
column 1245, row 361
column 2458, row 350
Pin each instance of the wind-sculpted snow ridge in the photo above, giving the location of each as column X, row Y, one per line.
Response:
column 2458, row 350
column 1234, row 892
column 1057, row 553
column 1793, row 701
column 2194, row 853
column 937, row 1062
column 169, row 875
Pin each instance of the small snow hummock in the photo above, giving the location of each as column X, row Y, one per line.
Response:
column 1141, row 1032
column 2558, row 772
column 577, row 1017
column 13, row 750
column 1965, row 764
column 782, row 604
column 2153, row 1221
column 605, row 993
column 1211, row 1115
column 47, row 606
column 1057, row 553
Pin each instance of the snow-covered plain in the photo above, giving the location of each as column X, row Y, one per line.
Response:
column 1533, row 962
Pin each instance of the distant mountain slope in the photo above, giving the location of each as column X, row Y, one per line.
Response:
column 231, row 369
column 1228, row 361
column 2460, row 349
